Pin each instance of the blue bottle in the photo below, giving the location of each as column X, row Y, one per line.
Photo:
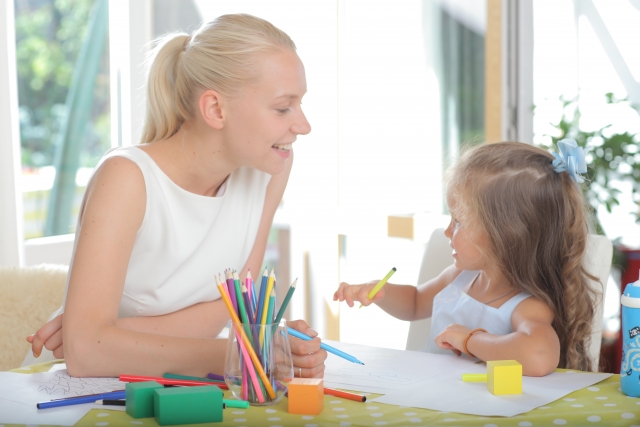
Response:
column 630, row 368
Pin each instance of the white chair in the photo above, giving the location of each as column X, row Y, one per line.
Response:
column 437, row 257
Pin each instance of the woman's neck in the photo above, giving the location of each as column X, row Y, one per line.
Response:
column 192, row 158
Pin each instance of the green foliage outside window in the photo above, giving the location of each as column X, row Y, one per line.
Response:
column 611, row 156
column 49, row 34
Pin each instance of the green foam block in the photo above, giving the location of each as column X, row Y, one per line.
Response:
column 140, row 398
column 188, row 405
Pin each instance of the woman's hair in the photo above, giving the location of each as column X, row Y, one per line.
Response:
column 536, row 224
column 222, row 55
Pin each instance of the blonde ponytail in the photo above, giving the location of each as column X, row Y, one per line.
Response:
column 222, row 55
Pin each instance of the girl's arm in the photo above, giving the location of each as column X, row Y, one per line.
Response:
column 534, row 343
column 404, row 302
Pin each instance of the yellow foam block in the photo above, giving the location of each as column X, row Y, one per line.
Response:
column 504, row 377
column 306, row 396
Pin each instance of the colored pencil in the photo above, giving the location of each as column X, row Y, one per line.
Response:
column 381, row 283
column 249, row 285
column 242, row 310
column 263, row 319
column 232, row 290
column 167, row 381
column 189, row 378
column 239, row 336
column 272, row 305
column 111, row 402
column 345, row 394
column 247, row 302
column 77, row 400
column 324, row 346
column 263, row 291
column 218, row 280
column 215, row 377
column 285, row 303
column 244, row 389
column 247, row 345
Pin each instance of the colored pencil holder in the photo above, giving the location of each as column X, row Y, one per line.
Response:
column 271, row 345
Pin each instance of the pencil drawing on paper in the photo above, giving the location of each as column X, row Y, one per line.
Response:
column 61, row 384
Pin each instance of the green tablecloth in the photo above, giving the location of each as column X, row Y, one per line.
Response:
column 599, row 405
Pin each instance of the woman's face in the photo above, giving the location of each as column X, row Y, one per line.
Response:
column 267, row 118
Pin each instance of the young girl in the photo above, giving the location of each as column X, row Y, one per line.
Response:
column 160, row 219
column 517, row 289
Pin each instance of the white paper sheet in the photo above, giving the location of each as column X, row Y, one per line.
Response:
column 19, row 394
column 434, row 381
column 386, row 370
column 22, row 413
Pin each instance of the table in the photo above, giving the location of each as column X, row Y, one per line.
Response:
column 600, row 405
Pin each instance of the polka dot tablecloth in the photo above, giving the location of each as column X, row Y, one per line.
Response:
column 600, row 405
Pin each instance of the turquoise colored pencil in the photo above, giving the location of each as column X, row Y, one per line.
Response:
column 324, row 346
column 241, row 307
column 285, row 303
column 272, row 305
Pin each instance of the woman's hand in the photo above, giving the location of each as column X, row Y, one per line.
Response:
column 308, row 357
column 452, row 338
column 351, row 293
column 48, row 336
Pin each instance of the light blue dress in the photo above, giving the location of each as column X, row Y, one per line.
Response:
column 453, row 305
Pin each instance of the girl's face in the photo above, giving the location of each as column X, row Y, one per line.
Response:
column 267, row 118
column 468, row 242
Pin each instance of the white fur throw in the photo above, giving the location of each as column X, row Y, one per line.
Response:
column 28, row 296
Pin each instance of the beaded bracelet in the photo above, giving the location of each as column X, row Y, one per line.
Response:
column 464, row 343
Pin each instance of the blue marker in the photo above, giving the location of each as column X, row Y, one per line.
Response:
column 82, row 399
column 328, row 348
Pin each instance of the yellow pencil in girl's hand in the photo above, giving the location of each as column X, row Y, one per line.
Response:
column 381, row 283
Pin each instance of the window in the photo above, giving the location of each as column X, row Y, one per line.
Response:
column 63, row 89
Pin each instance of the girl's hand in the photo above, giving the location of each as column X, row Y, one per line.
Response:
column 48, row 336
column 308, row 357
column 452, row 338
column 351, row 293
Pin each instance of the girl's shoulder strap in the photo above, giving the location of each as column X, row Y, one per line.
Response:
column 513, row 302
column 464, row 278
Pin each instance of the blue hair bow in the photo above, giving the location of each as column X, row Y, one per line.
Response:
column 571, row 159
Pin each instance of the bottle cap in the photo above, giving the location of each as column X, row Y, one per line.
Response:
column 631, row 295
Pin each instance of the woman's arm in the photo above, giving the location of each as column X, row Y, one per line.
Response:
column 534, row 343
column 94, row 344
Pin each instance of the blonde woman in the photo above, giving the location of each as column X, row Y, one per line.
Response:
column 197, row 196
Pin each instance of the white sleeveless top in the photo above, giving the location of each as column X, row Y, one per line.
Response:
column 185, row 238
column 453, row 305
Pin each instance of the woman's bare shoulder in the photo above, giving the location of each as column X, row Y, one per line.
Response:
column 116, row 188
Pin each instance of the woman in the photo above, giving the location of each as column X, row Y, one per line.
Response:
column 198, row 196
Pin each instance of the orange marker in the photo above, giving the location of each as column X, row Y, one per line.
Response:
column 345, row 394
